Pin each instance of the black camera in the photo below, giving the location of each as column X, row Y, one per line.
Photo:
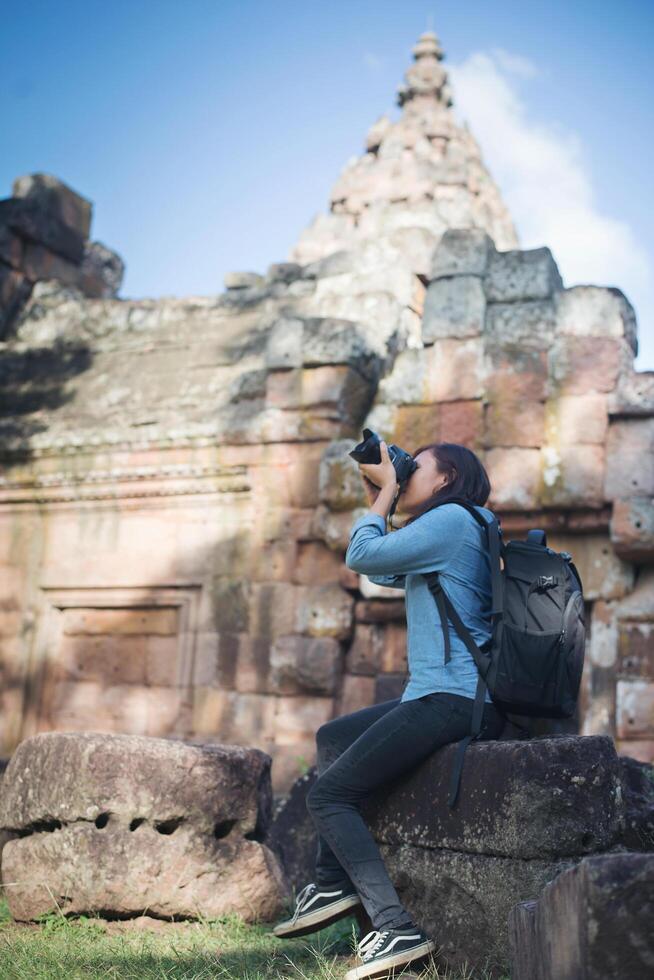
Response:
column 368, row 451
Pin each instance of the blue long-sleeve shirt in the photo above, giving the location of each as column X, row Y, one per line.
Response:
column 447, row 540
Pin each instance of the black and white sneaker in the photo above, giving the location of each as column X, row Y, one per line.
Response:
column 317, row 907
column 381, row 951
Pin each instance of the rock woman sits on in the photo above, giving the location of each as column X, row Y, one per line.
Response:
column 359, row 752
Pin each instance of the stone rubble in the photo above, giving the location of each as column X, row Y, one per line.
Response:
column 127, row 826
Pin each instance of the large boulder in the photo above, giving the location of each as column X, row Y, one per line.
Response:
column 545, row 797
column 130, row 825
column 593, row 922
column 527, row 810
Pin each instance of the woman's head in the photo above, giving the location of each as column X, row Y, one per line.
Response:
column 445, row 470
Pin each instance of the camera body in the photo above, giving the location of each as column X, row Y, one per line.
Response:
column 368, row 451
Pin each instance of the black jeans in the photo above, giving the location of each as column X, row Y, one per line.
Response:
column 359, row 752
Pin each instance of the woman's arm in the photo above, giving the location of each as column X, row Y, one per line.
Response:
column 425, row 545
column 390, row 581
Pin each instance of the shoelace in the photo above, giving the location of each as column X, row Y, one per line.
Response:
column 371, row 943
column 304, row 894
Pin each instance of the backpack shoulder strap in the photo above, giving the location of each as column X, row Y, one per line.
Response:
column 481, row 658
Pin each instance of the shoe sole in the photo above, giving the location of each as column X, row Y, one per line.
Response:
column 398, row 959
column 318, row 919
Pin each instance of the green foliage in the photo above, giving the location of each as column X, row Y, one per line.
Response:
column 226, row 948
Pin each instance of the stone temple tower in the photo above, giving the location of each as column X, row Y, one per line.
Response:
column 175, row 490
column 423, row 171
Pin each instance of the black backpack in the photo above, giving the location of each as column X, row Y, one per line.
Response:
column 533, row 661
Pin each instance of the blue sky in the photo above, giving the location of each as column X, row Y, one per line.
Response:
column 208, row 133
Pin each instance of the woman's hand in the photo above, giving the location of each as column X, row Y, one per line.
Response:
column 381, row 475
column 372, row 492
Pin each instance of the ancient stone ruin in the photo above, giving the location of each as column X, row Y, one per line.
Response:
column 122, row 825
column 540, row 817
column 175, row 494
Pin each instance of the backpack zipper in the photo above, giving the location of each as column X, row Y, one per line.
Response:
column 566, row 614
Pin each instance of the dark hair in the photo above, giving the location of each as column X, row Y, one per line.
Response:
column 465, row 472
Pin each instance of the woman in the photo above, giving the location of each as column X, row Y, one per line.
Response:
column 359, row 752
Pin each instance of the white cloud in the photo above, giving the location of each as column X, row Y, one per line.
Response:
column 547, row 186
column 514, row 63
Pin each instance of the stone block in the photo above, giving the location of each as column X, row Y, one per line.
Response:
column 334, row 528
column 596, row 311
column 380, row 611
column 573, row 476
column 159, row 621
column 454, row 307
column 462, row 422
column 390, row 276
column 393, row 658
column 577, row 419
column 528, row 324
column 389, row 687
column 547, row 797
column 326, row 610
column 522, row 275
column 454, row 370
column 315, row 564
column 592, row 921
column 603, row 647
column 163, row 665
column 340, row 339
column 284, row 388
column 633, row 394
column 341, row 487
column 275, row 561
column 15, row 289
column 635, row 649
column 243, row 280
column 523, row 371
column 348, row 579
column 635, row 709
column 630, row 459
column 632, row 529
column 603, row 574
column 40, row 262
column 372, row 590
column 416, row 246
column 331, row 390
column 300, row 664
column 28, row 218
column 101, row 272
column 127, row 824
column 205, row 664
column 284, row 271
column 11, row 248
column 641, row 749
column 298, row 718
column 274, row 609
column 637, row 781
column 406, row 383
column 515, row 476
column 366, row 650
column 358, row 691
column 509, row 421
column 252, row 665
column 57, row 198
column 581, row 365
column 464, row 900
column 462, row 252
column 108, row 659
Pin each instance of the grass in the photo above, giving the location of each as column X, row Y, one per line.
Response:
column 84, row 948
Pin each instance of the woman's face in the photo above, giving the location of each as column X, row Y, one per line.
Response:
column 423, row 483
